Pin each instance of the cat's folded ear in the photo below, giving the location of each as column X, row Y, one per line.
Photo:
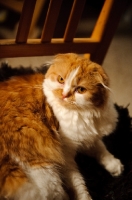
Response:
column 99, row 74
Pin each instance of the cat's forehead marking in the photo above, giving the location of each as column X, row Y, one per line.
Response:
column 69, row 80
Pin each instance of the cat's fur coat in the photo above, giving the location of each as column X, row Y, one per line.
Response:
column 45, row 120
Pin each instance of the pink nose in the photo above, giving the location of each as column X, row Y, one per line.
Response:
column 64, row 96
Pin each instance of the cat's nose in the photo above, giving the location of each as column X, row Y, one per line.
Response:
column 63, row 96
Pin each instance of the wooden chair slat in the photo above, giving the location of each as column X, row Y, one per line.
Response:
column 74, row 18
column 51, row 19
column 25, row 21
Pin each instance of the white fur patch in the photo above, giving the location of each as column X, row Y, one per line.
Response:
column 27, row 191
column 81, row 101
column 48, row 183
column 52, row 85
column 44, row 183
column 69, row 80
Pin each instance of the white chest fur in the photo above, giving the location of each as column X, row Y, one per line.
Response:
column 75, row 126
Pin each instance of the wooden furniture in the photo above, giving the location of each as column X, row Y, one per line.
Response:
column 96, row 45
column 17, row 6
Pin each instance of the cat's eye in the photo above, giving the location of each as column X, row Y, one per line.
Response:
column 81, row 90
column 60, row 79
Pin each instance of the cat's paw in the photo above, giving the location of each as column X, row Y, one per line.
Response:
column 114, row 167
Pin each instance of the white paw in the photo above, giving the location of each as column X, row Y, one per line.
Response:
column 114, row 166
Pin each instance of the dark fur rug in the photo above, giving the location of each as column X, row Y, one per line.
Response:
column 101, row 185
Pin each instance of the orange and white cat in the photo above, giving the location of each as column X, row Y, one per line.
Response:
column 45, row 120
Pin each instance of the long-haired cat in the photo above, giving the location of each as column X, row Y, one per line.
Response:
column 45, row 120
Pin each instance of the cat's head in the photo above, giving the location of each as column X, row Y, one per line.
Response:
column 77, row 82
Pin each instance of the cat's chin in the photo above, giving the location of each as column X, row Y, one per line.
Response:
column 65, row 103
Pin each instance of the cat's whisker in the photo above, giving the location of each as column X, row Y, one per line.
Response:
column 101, row 82
column 106, row 87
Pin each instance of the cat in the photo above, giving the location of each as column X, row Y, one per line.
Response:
column 45, row 120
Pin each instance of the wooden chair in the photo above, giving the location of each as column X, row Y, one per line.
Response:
column 16, row 5
column 96, row 45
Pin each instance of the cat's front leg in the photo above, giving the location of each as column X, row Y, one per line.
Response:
column 105, row 158
column 75, row 181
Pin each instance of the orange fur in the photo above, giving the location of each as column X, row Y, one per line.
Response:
column 28, row 130
column 12, row 177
